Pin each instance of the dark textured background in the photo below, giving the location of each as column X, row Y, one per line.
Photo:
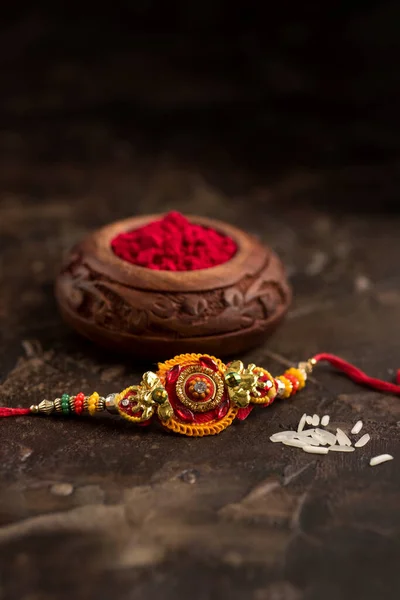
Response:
column 286, row 126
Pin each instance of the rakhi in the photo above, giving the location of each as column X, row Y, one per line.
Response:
column 198, row 395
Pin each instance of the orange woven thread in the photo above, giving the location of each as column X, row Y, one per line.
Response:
column 199, row 430
column 186, row 359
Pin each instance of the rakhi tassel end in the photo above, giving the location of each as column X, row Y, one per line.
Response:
column 355, row 374
column 14, row 412
column 45, row 407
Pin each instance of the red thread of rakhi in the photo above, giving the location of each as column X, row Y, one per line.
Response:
column 174, row 244
column 355, row 374
column 5, row 411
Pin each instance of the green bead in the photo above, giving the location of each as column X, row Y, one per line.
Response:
column 65, row 404
column 160, row 395
column 232, row 379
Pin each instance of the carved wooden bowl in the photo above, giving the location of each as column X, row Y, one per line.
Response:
column 223, row 310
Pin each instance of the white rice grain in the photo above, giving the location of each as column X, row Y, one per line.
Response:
column 364, row 439
column 315, row 421
column 316, row 437
column 325, row 420
column 308, row 432
column 326, row 436
column 302, row 422
column 282, row 435
column 309, row 420
column 295, row 443
column 378, row 460
column 357, row 427
column 307, row 438
column 315, row 450
column 342, row 448
column 342, row 438
column 310, row 441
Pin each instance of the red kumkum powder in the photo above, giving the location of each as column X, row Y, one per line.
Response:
column 174, row 244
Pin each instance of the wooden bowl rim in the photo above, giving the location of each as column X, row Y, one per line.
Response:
column 250, row 258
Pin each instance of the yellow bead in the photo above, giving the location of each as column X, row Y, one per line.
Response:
column 92, row 403
column 300, row 376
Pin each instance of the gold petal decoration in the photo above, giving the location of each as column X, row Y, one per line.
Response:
column 143, row 400
column 249, row 385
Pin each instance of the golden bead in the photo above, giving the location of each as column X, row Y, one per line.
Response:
column 307, row 366
column 160, row 395
column 165, row 411
column 46, row 407
column 232, row 379
column 242, row 400
column 100, row 404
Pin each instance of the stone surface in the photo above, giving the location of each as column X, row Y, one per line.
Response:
column 154, row 515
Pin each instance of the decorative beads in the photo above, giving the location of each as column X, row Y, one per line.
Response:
column 78, row 404
column 232, row 379
column 280, row 388
column 165, row 411
column 299, row 374
column 110, row 403
column 199, row 387
column 92, row 403
column 295, row 382
column 45, row 407
column 287, row 392
column 307, row 366
column 65, row 407
column 265, row 390
column 160, row 395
